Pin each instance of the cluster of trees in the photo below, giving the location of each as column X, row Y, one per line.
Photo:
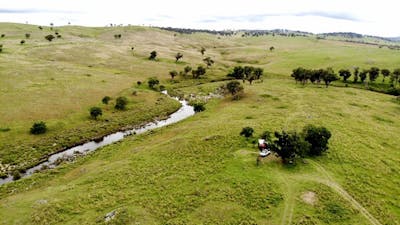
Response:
column 191, row 31
column 328, row 75
column 120, row 104
column 248, row 73
column 289, row 146
column 372, row 74
column 117, row 36
column 315, row 76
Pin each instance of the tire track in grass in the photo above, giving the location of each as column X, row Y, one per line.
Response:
column 288, row 210
column 336, row 187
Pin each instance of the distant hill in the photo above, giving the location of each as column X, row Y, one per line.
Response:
column 341, row 36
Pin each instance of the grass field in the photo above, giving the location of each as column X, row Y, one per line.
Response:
column 199, row 171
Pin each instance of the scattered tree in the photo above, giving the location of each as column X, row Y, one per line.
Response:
column 117, row 36
column 258, row 72
column 247, row 132
column 178, row 56
column 186, row 70
column 328, row 76
column 271, row 48
column 198, row 106
column 301, row 75
column 318, row 138
column 152, row 82
column 27, row 35
column 3, row 35
column 173, row 74
column 153, row 55
column 235, row 88
column 345, row 73
column 16, row 175
column 289, row 145
column 1, row 47
column 385, row 73
column 22, row 42
column 49, row 37
column 202, row 50
column 373, row 73
column 356, row 73
column 40, row 27
column 208, row 61
column 38, row 128
column 237, row 73
column 395, row 77
column 363, row 75
column 106, row 99
column 95, row 112
column 198, row 72
column 121, row 103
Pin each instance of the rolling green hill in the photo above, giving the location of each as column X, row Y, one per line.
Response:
column 198, row 171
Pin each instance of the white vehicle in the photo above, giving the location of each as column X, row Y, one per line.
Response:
column 262, row 146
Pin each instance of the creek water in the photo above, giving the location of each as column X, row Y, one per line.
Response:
column 184, row 112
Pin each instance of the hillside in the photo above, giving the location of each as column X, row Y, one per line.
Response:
column 200, row 170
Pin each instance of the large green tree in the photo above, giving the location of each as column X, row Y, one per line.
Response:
column 345, row 73
column 373, row 73
column 328, row 76
column 289, row 145
column 385, row 73
column 318, row 138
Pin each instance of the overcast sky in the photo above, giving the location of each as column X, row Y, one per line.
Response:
column 367, row 17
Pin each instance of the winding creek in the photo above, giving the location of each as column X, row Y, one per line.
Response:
column 184, row 112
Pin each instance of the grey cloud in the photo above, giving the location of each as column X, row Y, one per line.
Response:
column 262, row 17
column 333, row 15
column 28, row 11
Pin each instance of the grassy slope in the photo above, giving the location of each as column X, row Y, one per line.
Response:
column 200, row 170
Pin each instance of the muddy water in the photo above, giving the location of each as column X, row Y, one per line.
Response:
column 184, row 112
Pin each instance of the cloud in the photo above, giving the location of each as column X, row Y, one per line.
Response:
column 29, row 11
column 332, row 15
column 261, row 17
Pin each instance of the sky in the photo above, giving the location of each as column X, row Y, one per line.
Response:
column 370, row 17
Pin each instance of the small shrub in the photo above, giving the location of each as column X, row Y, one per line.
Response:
column 49, row 37
column 139, row 82
column 153, row 55
column 106, row 99
column 22, row 42
column 95, row 112
column 38, row 128
column 3, row 175
column 247, row 132
column 121, row 103
column 152, row 82
column 198, row 107
column 4, row 129
column 3, row 35
column 27, row 35
column 16, row 175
